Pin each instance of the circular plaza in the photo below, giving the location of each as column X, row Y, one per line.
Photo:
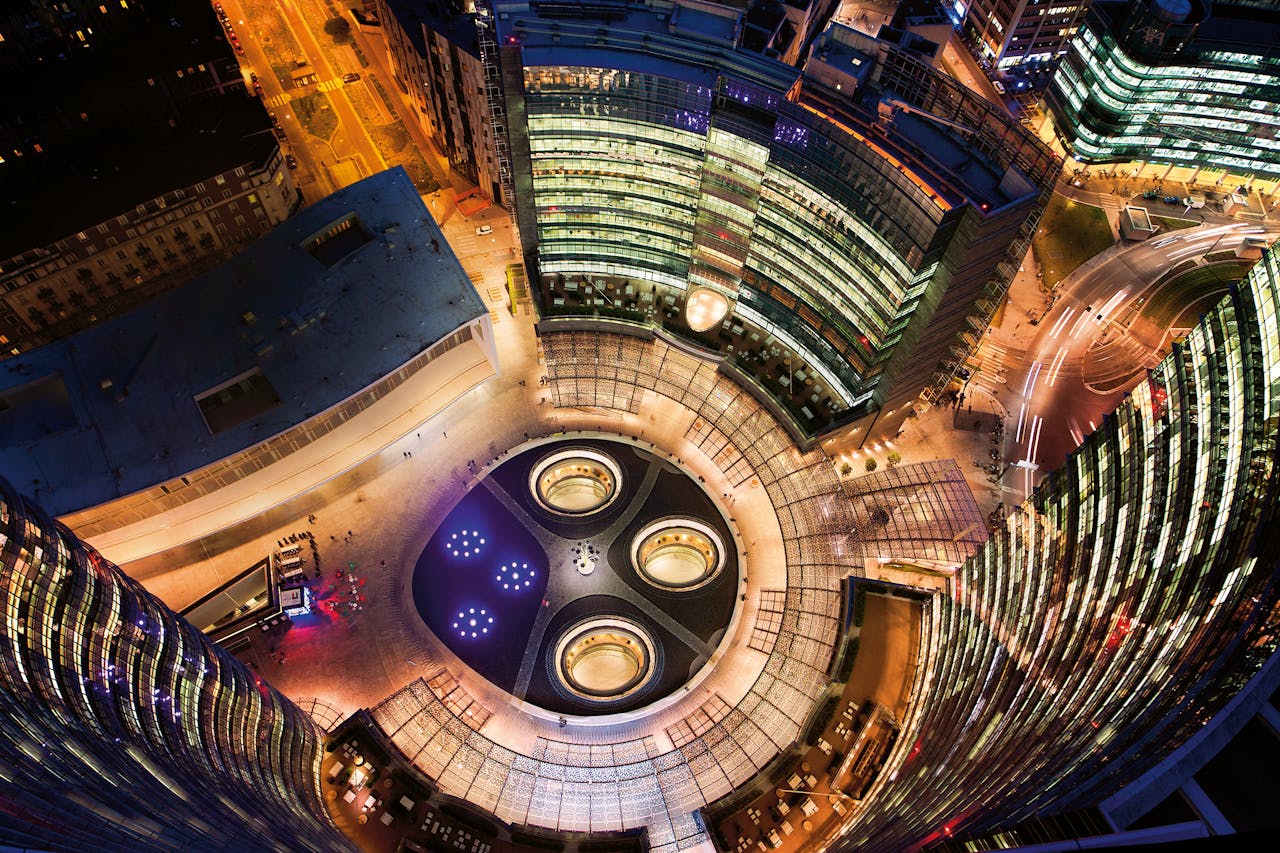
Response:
column 583, row 577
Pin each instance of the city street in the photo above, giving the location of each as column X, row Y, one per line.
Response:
column 1059, row 374
column 324, row 165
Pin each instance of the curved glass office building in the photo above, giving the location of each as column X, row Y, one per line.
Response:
column 1069, row 668
column 838, row 237
column 1119, row 609
column 1182, row 82
column 124, row 727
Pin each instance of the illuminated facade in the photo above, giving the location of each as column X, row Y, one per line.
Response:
column 1119, row 609
column 1174, row 82
column 841, row 258
column 434, row 50
column 125, row 728
column 1010, row 32
column 1109, row 619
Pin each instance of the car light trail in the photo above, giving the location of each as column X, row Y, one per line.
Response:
column 1029, row 384
column 1056, row 365
column 1062, row 321
column 1033, row 440
column 1110, row 305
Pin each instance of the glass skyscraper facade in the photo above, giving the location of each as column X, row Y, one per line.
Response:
column 124, row 727
column 1184, row 83
column 1119, row 608
column 1102, row 625
column 660, row 170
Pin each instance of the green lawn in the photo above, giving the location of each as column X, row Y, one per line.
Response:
column 315, row 114
column 1070, row 233
column 1170, row 223
column 391, row 139
column 264, row 23
column 397, row 148
column 419, row 172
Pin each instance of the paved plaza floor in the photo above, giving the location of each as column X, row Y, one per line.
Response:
column 374, row 520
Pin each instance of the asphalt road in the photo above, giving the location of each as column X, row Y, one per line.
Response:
column 320, row 162
column 1095, row 343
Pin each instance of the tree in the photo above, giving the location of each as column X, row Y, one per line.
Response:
column 339, row 29
column 846, row 469
column 871, row 464
column 893, row 457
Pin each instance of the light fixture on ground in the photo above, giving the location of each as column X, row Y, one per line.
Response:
column 604, row 658
column 677, row 554
column 464, row 543
column 515, row 576
column 575, row 481
column 473, row 622
column 704, row 309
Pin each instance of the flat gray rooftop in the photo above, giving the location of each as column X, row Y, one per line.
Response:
column 681, row 43
column 337, row 297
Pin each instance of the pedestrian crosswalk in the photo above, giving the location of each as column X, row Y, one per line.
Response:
column 285, row 97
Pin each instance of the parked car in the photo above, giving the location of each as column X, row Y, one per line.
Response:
column 1151, row 195
column 483, row 230
column 1171, row 199
column 291, row 161
column 279, row 131
column 350, row 78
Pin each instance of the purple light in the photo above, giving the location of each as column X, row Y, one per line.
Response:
column 790, row 133
column 516, row 576
column 473, row 622
column 465, row 543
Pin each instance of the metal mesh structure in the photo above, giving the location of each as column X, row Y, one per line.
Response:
column 924, row 511
column 717, row 745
